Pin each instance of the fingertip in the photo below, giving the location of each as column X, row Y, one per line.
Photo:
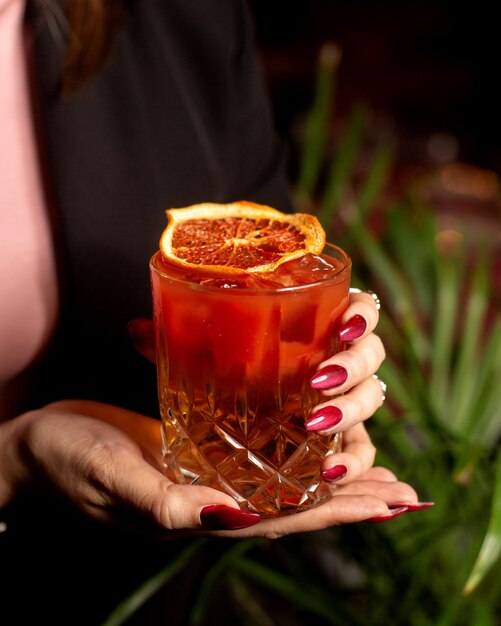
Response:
column 416, row 506
column 353, row 329
column 391, row 514
column 334, row 473
column 362, row 304
column 323, row 419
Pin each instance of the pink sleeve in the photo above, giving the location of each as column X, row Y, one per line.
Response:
column 28, row 289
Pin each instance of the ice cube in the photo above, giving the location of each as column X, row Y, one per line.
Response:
column 314, row 266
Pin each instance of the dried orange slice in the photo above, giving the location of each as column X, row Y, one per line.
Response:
column 239, row 237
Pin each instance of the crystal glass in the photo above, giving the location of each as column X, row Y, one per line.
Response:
column 234, row 358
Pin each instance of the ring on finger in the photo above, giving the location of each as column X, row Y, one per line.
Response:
column 375, row 297
column 382, row 384
column 372, row 294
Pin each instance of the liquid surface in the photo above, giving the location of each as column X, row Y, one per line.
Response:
column 305, row 270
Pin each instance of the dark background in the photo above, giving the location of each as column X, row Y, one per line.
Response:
column 429, row 66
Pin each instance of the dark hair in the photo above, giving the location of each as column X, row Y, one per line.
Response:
column 89, row 28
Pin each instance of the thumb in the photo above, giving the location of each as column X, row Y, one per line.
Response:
column 181, row 507
column 189, row 506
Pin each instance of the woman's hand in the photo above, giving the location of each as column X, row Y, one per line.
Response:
column 107, row 461
column 352, row 390
column 352, row 393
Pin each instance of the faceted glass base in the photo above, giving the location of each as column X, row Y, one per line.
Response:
column 265, row 459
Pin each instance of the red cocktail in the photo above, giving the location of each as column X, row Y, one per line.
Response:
column 235, row 353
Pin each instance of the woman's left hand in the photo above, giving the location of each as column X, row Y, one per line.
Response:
column 347, row 380
column 107, row 461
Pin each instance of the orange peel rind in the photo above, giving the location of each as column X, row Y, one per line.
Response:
column 238, row 237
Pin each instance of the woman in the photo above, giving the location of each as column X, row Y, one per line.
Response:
column 111, row 117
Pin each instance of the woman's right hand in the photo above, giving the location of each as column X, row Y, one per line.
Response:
column 107, row 462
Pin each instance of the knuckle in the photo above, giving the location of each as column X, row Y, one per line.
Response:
column 383, row 473
column 379, row 348
column 379, row 393
column 353, row 406
column 366, row 358
column 371, row 453
column 274, row 534
column 169, row 505
column 93, row 478
column 406, row 492
column 355, row 362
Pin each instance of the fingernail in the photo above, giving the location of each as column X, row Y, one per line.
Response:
column 222, row 517
column 334, row 473
column 324, row 418
column 330, row 376
column 418, row 506
column 354, row 328
column 394, row 512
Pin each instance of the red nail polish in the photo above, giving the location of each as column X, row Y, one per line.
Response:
column 418, row 506
column 324, row 418
column 354, row 328
column 222, row 517
column 334, row 473
column 328, row 377
column 392, row 514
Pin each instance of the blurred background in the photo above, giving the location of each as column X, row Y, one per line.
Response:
column 427, row 70
column 390, row 115
column 427, row 67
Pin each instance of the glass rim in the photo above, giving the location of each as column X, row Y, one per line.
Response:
column 333, row 279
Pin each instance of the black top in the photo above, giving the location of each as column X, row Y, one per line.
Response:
column 178, row 115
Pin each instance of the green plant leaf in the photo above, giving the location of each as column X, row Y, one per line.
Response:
column 253, row 613
column 490, row 550
column 341, row 167
column 376, row 178
column 312, row 599
column 220, row 568
column 411, row 228
column 317, row 125
column 397, row 385
column 133, row 602
column 400, row 300
column 484, row 425
column 464, row 384
column 448, row 271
